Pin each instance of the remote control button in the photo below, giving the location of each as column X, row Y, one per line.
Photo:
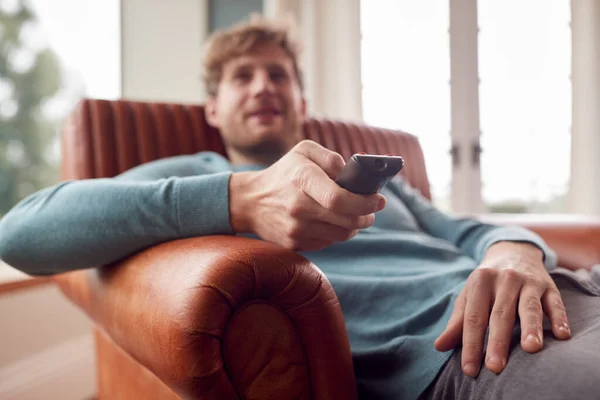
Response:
column 380, row 164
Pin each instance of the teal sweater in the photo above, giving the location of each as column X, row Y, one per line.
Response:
column 396, row 281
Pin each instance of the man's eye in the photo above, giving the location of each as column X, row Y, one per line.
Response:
column 278, row 76
column 243, row 76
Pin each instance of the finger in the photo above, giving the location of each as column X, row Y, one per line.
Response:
column 333, row 198
column 557, row 314
column 310, row 245
column 350, row 222
column 329, row 195
column 476, row 318
column 452, row 335
column 502, row 320
column 331, row 163
column 319, row 183
column 313, row 211
column 532, row 317
column 319, row 230
column 353, row 233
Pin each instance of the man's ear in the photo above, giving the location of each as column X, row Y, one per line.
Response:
column 210, row 112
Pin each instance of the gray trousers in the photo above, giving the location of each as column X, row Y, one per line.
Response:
column 562, row 370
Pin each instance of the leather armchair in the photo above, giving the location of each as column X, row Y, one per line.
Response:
column 227, row 317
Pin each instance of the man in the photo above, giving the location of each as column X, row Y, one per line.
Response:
column 413, row 283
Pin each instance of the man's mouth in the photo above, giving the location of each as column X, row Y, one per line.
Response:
column 265, row 112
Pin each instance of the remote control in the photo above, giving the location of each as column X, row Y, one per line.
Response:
column 369, row 173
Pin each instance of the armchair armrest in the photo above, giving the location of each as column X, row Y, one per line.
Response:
column 574, row 238
column 214, row 317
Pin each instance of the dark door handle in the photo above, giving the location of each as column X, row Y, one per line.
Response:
column 476, row 151
column 455, row 154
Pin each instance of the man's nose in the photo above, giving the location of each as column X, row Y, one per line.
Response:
column 262, row 84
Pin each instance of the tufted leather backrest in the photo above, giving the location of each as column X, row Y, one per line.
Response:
column 103, row 138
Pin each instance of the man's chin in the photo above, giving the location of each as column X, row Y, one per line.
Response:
column 268, row 133
column 266, row 145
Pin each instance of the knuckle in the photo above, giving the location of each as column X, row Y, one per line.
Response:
column 475, row 320
column 298, row 175
column 558, row 304
column 483, row 275
column 293, row 244
column 533, row 280
column 295, row 209
column 364, row 221
column 334, row 162
column 290, row 244
column 332, row 199
column 304, row 144
column 351, row 221
column 503, row 312
column 369, row 220
column 511, row 276
column 294, row 230
column 532, row 303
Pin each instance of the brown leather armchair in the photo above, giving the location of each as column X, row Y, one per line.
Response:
column 226, row 317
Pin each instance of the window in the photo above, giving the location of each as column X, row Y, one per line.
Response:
column 525, row 103
column 524, row 58
column 51, row 55
column 406, row 73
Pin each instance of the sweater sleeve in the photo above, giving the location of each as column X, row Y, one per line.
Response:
column 473, row 237
column 88, row 223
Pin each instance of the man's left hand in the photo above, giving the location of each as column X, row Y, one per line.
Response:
column 511, row 279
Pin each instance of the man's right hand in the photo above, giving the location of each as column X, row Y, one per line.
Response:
column 296, row 202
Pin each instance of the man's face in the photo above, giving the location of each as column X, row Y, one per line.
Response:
column 259, row 107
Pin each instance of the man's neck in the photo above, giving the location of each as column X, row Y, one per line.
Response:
column 237, row 158
column 266, row 155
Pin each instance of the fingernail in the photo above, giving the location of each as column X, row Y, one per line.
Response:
column 533, row 339
column 496, row 361
column 564, row 328
column 470, row 369
column 381, row 204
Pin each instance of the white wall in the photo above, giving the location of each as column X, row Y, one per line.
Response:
column 162, row 49
column 331, row 57
column 584, row 188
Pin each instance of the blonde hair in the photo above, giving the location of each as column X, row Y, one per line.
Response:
column 243, row 38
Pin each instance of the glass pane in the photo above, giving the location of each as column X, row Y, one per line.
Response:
column 525, row 103
column 52, row 53
column 224, row 13
column 405, row 76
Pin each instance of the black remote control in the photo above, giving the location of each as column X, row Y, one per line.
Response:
column 369, row 173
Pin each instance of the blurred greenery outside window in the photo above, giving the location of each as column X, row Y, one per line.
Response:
column 52, row 53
